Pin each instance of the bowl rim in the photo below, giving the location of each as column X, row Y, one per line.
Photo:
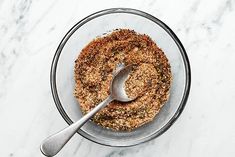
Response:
column 128, row 11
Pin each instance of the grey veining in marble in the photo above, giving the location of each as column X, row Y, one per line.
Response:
column 30, row 32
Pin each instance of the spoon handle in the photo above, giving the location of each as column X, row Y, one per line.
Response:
column 53, row 144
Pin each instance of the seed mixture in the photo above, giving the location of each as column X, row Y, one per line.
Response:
column 149, row 81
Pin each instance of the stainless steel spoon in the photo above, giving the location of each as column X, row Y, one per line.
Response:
column 53, row 144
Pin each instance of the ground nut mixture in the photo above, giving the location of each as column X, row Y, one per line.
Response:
column 150, row 79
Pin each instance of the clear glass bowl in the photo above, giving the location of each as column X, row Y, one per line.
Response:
column 62, row 73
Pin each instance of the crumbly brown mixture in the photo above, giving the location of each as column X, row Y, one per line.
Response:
column 142, row 78
column 150, row 79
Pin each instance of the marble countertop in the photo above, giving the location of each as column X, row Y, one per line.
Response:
column 30, row 32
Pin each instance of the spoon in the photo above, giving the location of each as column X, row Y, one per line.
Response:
column 53, row 144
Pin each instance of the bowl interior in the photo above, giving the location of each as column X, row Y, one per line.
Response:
column 79, row 37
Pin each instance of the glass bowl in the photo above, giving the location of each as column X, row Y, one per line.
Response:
column 62, row 73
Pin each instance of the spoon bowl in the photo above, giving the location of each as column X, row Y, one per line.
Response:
column 118, row 85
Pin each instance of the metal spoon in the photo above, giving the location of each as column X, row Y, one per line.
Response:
column 53, row 144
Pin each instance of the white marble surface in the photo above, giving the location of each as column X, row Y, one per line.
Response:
column 30, row 32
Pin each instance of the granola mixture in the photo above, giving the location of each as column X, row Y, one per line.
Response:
column 150, row 79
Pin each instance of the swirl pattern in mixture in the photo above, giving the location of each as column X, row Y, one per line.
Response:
column 150, row 80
